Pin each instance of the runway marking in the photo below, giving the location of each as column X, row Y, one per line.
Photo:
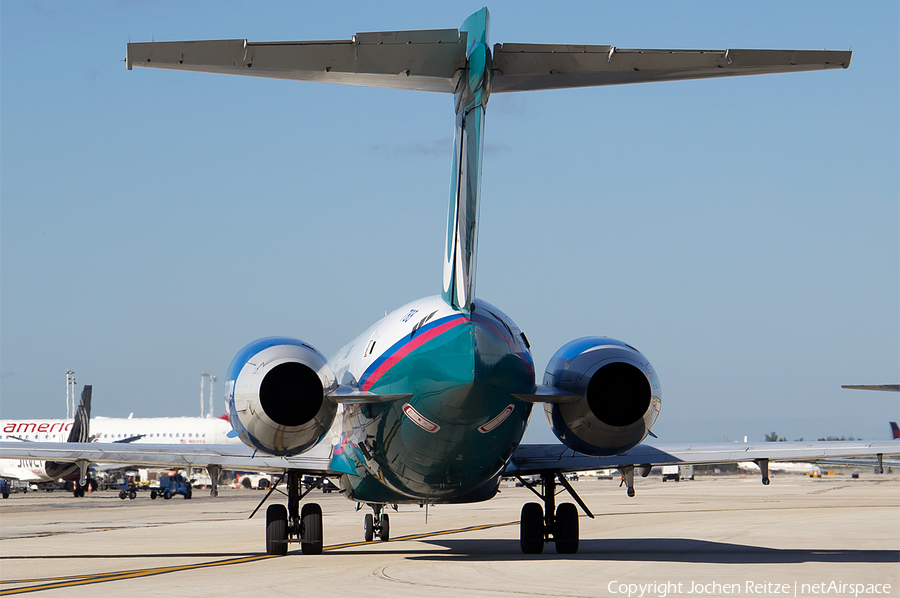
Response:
column 52, row 583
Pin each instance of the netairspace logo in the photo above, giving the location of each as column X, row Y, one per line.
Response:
column 752, row 588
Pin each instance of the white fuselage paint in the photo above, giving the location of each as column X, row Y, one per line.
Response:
column 156, row 430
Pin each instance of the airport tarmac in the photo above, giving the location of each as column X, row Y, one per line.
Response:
column 713, row 531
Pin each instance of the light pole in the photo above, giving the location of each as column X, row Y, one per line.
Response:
column 70, row 387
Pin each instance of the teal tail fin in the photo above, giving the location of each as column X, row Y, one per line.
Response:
column 471, row 98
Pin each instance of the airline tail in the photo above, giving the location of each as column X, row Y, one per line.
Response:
column 465, row 185
column 463, row 63
column 81, row 429
column 80, row 432
column 895, row 431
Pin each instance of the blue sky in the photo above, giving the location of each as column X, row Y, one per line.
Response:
column 742, row 233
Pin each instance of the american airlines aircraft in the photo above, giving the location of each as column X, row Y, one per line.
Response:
column 156, row 430
column 429, row 404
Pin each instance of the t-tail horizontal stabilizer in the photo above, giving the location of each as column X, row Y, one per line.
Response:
column 462, row 62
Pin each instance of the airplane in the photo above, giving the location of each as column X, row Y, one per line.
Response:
column 429, row 405
column 38, row 471
column 883, row 387
column 157, row 430
column 175, row 430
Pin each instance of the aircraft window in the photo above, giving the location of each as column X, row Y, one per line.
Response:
column 190, row 435
column 370, row 348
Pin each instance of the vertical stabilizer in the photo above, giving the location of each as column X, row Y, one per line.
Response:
column 470, row 98
column 81, row 430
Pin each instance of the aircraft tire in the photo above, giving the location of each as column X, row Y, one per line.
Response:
column 311, row 517
column 369, row 526
column 276, row 530
column 385, row 534
column 566, row 535
column 531, row 528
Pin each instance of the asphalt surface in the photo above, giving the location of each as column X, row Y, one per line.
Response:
column 833, row 536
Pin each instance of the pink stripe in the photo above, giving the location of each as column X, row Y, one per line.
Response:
column 408, row 348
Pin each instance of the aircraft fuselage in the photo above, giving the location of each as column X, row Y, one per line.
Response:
column 451, row 440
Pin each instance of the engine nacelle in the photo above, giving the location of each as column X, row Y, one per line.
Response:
column 620, row 396
column 275, row 394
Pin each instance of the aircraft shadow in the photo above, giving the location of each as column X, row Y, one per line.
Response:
column 670, row 550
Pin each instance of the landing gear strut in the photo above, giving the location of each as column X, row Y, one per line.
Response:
column 377, row 525
column 214, row 471
column 293, row 524
column 550, row 523
column 764, row 470
column 627, row 472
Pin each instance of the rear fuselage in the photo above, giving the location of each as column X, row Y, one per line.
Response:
column 451, row 439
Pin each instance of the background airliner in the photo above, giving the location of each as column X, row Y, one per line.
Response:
column 429, row 404
column 156, row 430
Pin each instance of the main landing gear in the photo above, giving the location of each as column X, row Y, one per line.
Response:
column 292, row 524
column 377, row 525
column 550, row 523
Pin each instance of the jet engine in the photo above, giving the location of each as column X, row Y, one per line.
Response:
column 275, row 395
column 619, row 396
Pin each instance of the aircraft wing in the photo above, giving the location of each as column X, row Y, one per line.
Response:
column 535, row 458
column 524, row 67
column 227, row 456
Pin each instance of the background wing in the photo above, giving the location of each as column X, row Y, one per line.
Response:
column 227, row 456
column 534, row 458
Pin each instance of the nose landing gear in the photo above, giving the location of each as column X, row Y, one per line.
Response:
column 377, row 525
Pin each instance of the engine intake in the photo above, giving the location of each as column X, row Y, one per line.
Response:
column 275, row 394
column 620, row 396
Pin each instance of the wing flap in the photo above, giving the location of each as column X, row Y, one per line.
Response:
column 524, row 67
column 415, row 60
